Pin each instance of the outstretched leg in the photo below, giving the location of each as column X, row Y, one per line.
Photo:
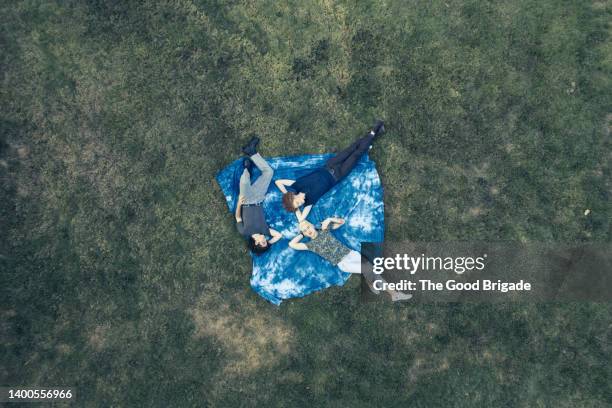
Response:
column 343, row 154
column 370, row 278
column 343, row 162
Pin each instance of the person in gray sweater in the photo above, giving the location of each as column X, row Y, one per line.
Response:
column 250, row 218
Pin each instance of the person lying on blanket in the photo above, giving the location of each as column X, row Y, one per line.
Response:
column 306, row 190
column 250, row 218
column 324, row 244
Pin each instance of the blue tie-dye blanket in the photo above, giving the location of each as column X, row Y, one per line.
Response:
column 283, row 273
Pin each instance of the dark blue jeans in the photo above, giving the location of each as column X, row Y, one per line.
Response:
column 342, row 163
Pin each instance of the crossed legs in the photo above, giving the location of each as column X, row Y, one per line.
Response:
column 342, row 163
column 256, row 192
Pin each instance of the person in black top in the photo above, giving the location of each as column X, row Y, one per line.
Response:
column 308, row 189
column 250, row 218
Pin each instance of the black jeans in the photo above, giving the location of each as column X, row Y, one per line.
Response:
column 342, row 163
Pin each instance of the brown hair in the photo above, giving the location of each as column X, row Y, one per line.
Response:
column 288, row 201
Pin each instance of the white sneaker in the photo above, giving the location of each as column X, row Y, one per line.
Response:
column 399, row 296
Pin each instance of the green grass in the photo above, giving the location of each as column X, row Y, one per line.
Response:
column 122, row 272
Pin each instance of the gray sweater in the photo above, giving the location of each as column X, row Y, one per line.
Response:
column 253, row 221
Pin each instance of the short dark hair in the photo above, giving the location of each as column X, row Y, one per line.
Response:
column 288, row 201
column 256, row 249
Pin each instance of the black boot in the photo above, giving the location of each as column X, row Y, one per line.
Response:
column 248, row 164
column 378, row 128
column 251, row 148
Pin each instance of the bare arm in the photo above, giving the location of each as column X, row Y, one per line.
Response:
column 301, row 215
column 282, row 183
column 333, row 221
column 296, row 244
column 275, row 236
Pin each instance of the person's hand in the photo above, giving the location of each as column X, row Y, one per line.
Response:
column 326, row 223
column 338, row 222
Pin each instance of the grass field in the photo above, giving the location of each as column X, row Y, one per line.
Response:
column 123, row 274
